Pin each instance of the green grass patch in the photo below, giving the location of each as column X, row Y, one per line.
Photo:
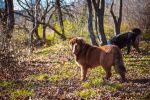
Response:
column 39, row 77
column 86, row 93
column 21, row 93
column 86, row 85
column 6, row 83
column 92, row 83
column 114, row 86
column 67, row 72
column 98, row 72
column 55, row 78
column 96, row 82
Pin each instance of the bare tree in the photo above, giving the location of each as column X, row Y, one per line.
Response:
column 7, row 60
column 29, row 8
column 44, row 16
column 45, row 9
column 44, row 12
column 35, row 26
column 9, row 17
column 90, row 25
column 99, row 6
column 8, row 23
column 60, row 16
column 117, row 19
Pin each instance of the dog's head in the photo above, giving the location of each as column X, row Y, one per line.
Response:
column 137, row 31
column 76, row 44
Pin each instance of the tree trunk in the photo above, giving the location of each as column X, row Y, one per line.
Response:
column 36, row 24
column 44, row 31
column 3, row 17
column 100, row 16
column 58, row 7
column 35, row 27
column 117, row 21
column 96, row 26
column 10, row 18
column 37, row 33
column 7, row 59
column 90, row 25
column 101, row 28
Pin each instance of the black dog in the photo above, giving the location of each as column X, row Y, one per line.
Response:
column 127, row 39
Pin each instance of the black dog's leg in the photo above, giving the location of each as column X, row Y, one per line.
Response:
column 136, row 45
column 128, row 48
column 137, row 48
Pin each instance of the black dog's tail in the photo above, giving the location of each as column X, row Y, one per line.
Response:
column 119, row 64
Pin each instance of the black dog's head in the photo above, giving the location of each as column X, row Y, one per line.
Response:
column 136, row 31
column 136, row 38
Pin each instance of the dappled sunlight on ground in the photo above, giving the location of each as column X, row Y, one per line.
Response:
column 51, row 73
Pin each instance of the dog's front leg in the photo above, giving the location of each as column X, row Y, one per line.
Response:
column 128, row 48
column 136, row 46
column 83, row 73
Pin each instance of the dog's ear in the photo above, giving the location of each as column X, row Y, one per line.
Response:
column 71, row 40
column 81, row 40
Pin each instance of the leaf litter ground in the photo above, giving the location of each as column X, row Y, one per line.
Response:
column 51, row 73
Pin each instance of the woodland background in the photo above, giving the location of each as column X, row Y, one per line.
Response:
column 35, row 58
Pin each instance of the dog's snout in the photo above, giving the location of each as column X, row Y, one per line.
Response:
column 74, row 48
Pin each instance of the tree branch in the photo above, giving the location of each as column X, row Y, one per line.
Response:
column 112, row 12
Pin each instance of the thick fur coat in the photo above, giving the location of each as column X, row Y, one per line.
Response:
column 88, row 56
column 127, row 39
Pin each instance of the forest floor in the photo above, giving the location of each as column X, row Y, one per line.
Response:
column 51, row 74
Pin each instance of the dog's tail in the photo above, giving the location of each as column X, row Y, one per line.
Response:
column 119, row 64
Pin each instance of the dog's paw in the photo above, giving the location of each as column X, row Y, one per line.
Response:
column 123, row 80
column 106, row 79
column 82, row 79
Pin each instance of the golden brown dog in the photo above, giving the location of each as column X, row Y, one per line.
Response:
column 88, row 56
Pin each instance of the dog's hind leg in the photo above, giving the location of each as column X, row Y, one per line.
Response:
column 108, row 72
column 120, row 69
column 83, row 73
column 123, row 76
column 119, row 65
